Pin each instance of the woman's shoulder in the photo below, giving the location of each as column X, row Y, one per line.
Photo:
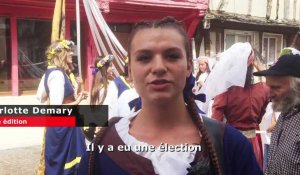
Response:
column 54, row 73
column 233, row 135
column 115, row 158
column 238, row 153
column 230, row 134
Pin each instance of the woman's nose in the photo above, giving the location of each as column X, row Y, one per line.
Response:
column 158, row 65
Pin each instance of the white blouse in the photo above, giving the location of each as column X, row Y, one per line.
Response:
column 164, row 163
column 56, row 85
column 111, row 98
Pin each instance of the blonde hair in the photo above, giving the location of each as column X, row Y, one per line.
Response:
column 100, row 81
column 57, row 55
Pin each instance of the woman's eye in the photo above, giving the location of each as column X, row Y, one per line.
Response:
column 143, row 58
column 173, row 56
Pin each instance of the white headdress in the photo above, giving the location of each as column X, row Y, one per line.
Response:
column 229, row 71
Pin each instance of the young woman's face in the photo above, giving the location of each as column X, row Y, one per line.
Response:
column 203, row 66
column 110, row 72
column 158, row 65
column 70, row 54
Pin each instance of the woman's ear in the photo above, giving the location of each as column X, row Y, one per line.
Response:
column 129, row 73
column 189, row 67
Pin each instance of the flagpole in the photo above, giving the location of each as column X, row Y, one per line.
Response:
column 78, row 37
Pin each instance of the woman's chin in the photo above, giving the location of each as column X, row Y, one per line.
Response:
column 161, row 98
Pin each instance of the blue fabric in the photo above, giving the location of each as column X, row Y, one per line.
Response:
column 121, row 85
column 68, row 85
column 188, row 90
column 136, row 104
column 103, row 165
column 239, row 158
column 62, row 145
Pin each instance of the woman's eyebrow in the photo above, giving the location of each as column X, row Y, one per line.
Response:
column 173, row 49
column 143, row 51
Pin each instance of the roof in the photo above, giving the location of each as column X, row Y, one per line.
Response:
column 240, row 18
column 136, row 10
column 128, row 10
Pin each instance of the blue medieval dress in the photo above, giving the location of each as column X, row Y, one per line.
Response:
column 63, row 146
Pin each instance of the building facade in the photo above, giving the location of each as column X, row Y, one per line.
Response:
column 269, row 25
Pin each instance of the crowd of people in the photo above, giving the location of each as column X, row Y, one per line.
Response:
column 156, row 101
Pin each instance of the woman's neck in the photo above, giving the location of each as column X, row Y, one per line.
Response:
column 157, row 115
column 164, row 124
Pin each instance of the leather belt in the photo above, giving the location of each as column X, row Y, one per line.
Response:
column 249, row 133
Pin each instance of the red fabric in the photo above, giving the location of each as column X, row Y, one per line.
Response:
column 257, row 149
column 259, row 157
column 242, row 107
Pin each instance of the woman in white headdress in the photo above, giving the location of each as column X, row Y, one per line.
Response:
column 229, row 71
column 236, row 98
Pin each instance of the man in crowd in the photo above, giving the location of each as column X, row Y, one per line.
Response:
column 283, row 79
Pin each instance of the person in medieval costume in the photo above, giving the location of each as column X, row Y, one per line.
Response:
column 283, row 79
column 115, row 89
column 63, row 146
column 241, row 106
column 160, row 67
column 102, row 76
column 203, row 72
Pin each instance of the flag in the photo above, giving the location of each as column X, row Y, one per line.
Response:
column 58, row 21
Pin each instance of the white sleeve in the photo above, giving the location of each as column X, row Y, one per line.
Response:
column 277, row 114
column 122, row 107
column 267, row 123
column 111, row 99
column 209, row 111
column 41, row 94
column 56, row 85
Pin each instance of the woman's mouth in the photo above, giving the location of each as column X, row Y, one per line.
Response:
column 160, row 84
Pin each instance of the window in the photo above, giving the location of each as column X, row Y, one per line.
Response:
column 5, row 55
column 272, row 45
column 234, row 36
column 33, row 40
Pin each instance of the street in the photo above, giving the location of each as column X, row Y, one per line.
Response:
column 20, row 147
column 19, row 161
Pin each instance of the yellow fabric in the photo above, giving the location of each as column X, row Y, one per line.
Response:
column 85, row 128
column 72, row 163
column 249, row 134
column 41, row 167
column 58, row 22
column 58, row 32
column 72, row 79
column 42, row 164
column 49, row 67
column 127, row 84
column 63, row 21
